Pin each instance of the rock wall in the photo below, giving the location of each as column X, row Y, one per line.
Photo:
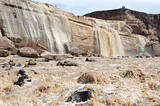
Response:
column 34, row 22
column 141, row 23
column 141, row 27
column 61, row 32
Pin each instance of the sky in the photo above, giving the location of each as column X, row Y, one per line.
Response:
column 81, row 7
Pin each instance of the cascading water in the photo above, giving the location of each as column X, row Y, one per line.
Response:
column 37, row 25
column 141, row 42
column 107, row 40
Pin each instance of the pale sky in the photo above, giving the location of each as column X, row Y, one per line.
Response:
column 81, row 7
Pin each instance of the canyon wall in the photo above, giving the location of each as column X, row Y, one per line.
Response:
column 140, row 28
column 61, row 32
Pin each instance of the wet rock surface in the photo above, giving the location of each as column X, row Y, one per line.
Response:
column 93, row 77
column 128, row 81
column 90, row 60
column 66, row 63
column 80, row 96
column 22, row 78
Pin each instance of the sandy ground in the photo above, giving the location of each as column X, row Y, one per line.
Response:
column 128, row 82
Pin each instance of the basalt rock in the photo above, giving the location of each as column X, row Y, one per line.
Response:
column 66, row 63
column 80, row 96
column 90, row 60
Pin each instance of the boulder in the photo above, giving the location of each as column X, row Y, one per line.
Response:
column 51, row 56
column 19, row 43
column 28, row 52
column 80, row 52
column 4, row 53
column 91, row 77
column 135, row 74
column 153, row 48
column 32, row 62
column 80, row 96
column 6, row 44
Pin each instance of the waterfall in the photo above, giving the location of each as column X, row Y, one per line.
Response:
column 107, row 40
column 62, row 33
column 141, row 42
column 38, row 25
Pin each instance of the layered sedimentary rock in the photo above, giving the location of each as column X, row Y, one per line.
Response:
column 34, row 22
column 140, row 27
column 141, row 23
column 61, row 32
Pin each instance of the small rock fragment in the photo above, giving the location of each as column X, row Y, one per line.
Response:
column 90, row 60
column 66, row 63
column 32, row 62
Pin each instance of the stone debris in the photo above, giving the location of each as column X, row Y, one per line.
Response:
column 12, row 63
column 22, row 78
column 80, row 96
column 32, row 62
column 90, row 60
column 66, row 63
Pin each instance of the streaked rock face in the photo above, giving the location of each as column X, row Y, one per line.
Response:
column 34, row 22
column 61, row 32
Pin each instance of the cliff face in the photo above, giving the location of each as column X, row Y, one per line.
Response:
column 35, row 22
column 139, row 24
column 61, row 32
column 149, row 22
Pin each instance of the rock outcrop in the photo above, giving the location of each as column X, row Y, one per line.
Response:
column 140, row 27
column 153, row 48
column 6, row 44
column 141, row 23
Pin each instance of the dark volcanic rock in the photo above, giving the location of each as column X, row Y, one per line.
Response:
column 80, row 96
column 66, row 63
column 90, row 60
